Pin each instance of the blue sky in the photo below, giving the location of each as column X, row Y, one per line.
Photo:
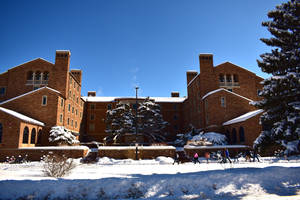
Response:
column 122, row 43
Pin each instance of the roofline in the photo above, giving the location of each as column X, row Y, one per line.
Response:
column 229, row 122
column 31, row 122
column 26, row 63
column 239, row 67
column 74, row 77
column 193, row 79
column 222, row 89
column 25, row 94
column 85, row 98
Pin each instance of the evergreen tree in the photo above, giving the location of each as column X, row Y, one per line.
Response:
column 150, row 121
column 118, row 122
column 281, row 92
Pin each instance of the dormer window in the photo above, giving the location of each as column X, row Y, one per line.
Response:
column 228, row 78
column 46, row 76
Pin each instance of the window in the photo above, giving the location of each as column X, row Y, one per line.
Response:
column 175, row 117
column 74, row 84
column 2, row 91
column 69, row 107
column 221, row 78
column 37, row 76
column 92, row 127
column 235, row 78
column 76, row 112
column 25, row 135
column 92, row 106
column 80, row 114
column 61, row 118
column 44, row 100
column 77, row 100
column 234, row 138
column 78, row 88
column 223, row 103
column 33, row 135
column 228, row 78
column 229, row 89
column 39, row 138
column 242, row 134
column 75, row 124
column 45, row 76
column 68, row 122
column 74, row 97
column 1, row 132
column 72, row 109
column 72, row 122
column 70, row 94
column 109, row 107
column 92, row 116
column 62, row 102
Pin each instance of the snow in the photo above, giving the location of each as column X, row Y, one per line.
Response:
column 155, row 179
column 156, row 99
column 55, row 148
column 212, row 137
column 243, row 117
column 61, row 135
column 22, row 117
column 222, row 89
column 216, row 147
column 33, row 91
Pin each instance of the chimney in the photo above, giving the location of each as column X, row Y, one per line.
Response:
column 91, row 93
column 190, row 75
column 206, row 63
column 77, row 73
column 174, row 94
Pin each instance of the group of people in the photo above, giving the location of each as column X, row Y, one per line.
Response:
column 224, row 157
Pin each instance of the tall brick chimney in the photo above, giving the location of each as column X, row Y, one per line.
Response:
column 190, row 75
column 77, row 73
column 206, row 63
column 62, row 66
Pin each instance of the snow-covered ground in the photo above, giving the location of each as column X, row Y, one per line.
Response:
column 155, row 179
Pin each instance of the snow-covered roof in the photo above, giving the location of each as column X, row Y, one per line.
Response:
column 22, row 95
column 156, row 99
column 243, row 117
column 222, row 89
column 55, row 148
column 215, row 147
column 133, row 147
column 21, row 116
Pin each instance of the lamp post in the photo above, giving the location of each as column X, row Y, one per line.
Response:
column 136, row 122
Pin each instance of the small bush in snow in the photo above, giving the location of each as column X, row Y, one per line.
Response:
column 61, row 135
column 57, row 165
column 135, row 191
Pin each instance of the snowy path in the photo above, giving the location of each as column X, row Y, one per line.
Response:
column 154, row 179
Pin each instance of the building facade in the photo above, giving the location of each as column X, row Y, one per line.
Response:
column 39, row 94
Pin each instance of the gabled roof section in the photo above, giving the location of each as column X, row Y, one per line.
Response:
column 222, row 64
column 33, row 91
column 243, row 117
column 21, row 116
column 222, row 89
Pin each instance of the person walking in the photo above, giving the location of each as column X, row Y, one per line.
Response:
column 196, row 158
column 176, row 158
column 227, row 155
column 207, row 156
column 255, row 155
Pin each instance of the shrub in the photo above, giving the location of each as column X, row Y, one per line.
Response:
column 57, row 165
column 61, row 135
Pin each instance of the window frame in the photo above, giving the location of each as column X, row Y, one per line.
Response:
column 44, row 100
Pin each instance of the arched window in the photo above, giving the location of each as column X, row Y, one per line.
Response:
column 25, row 135
column 1, row 129
column 33, row 134
column 228, row 78
column 38, row 75
column 30, row 75
column 228, row 136
column 221, row 77
column 39, row 137
column 242, row 134
column 234, row 138
column 235, row 78
column 46, row 76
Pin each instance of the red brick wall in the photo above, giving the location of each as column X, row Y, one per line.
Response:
column 10, row 131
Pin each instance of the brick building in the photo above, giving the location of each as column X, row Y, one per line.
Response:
column 37, row 95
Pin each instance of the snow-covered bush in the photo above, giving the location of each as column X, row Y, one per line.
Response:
column 57, row 165
column 184, row 137
column 60, row 135
column 210, row 137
